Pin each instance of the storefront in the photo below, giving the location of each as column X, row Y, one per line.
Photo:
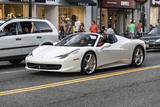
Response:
column 70, row 9
column 8, row 9
column 118, row 14
column 53, row 10
column 155, row 11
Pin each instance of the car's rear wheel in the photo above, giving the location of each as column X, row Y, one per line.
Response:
column 89, row 63
column 138, row 56
column 15, row 61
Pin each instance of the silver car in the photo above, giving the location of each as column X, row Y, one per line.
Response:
column 18, row 37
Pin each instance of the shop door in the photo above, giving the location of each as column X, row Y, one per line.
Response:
column 113, row 20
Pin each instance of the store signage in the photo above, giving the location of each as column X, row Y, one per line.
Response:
column 130, row 4
column 124, row 3
column 156, row 2
column 56, row 2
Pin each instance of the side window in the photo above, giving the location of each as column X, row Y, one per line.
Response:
column 10, row 29
column 26, row 27
column 43, row 27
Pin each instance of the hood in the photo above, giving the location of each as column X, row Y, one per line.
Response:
column 150, row 37
column 51, row 51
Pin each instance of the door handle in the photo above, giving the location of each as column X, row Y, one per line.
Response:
column 39, row 37
column 18, row 39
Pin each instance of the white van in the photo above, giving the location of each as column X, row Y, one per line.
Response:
column 18, row 37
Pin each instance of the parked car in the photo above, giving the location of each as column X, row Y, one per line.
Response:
column 152, row 39
column 18, row 37
column 87, row 52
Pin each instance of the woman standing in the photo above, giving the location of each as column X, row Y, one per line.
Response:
column 61, row 30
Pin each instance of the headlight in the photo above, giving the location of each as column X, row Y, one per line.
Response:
column 158, row 40
column 67, row 54
column 30, row 54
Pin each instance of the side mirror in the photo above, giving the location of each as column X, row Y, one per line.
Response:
column 106, row 45
column 3, row 34
column 55, row 43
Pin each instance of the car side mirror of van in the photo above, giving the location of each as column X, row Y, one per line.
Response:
column 106, row 45
column 3, row 34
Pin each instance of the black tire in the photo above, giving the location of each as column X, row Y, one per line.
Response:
column 15, row 61
column 89, row 63
column 138, row 56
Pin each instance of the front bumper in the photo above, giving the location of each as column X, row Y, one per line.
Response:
column 153, row 45
column 53, row 65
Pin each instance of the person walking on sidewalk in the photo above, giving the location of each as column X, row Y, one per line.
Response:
column 110, row 30
column 61, row 30
column 132, row 29
column 139, row 28
column 94, row 28
column 77, row 25
column 68, row 26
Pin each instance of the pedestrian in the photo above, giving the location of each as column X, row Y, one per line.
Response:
column 68, row 26
column 110, row 30
column 132, row 29
column 61, row 30
column 81, row 27
column 77, row 25
column 94, row 28
column 103, row 31
column 157, row 23
column 139, row 28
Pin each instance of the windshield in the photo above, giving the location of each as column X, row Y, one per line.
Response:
column 79, row 40
column 155, row 31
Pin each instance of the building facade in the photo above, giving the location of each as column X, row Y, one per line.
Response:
column 53, row 10
column 154, row 11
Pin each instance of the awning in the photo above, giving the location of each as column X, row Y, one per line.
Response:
column 82, row 2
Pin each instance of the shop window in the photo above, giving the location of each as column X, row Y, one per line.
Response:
column 71, row 12
column 41, row 12
column 42, row 27
column 15, row 10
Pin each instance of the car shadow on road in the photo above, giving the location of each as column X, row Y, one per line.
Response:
column 153, row 50
column 10, row 66
column 78, row 74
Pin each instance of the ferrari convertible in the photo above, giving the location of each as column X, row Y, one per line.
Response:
column 86, row 52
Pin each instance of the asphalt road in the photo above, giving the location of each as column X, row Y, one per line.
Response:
column 115, row 87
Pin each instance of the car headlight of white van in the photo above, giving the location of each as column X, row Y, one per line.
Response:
column 30, row 54
column 67, row 54
column 158, row 40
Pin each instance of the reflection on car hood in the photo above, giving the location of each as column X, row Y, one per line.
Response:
column 51, row 51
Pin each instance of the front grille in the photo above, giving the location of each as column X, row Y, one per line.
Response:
column 44, row 66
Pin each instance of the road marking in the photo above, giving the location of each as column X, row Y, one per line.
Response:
column 75, row 80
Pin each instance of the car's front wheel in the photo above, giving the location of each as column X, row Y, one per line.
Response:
column 15, row 61
column 138, row 56
column 89, row 63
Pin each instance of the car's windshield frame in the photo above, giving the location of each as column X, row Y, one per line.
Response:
column 79, row 40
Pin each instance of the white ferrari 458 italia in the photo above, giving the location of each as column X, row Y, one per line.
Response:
column 86, row 52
